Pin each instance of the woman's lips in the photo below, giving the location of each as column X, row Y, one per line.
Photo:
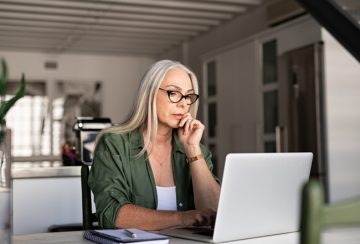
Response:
column 178, row 116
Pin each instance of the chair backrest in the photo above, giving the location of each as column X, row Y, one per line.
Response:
column 86, row 130
column 315, row 214
column 89, row 218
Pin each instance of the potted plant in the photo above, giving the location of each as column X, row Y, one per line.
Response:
column 5, row 216
column 5, row 107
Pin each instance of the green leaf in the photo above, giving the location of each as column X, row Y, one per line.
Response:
column 8, row 104
column 4, row 77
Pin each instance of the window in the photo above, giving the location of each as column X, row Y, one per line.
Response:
column 209, row 100
column 269, row 94
column 41, row 124
column 35, row 135
column 27, row 123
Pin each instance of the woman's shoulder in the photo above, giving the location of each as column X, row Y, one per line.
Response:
column 113, row 136
column 120, row 138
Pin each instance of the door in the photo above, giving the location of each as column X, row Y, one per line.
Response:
column 301, row 118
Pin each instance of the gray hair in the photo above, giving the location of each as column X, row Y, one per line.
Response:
column 144, row 108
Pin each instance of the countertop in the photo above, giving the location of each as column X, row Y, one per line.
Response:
column 46, row 172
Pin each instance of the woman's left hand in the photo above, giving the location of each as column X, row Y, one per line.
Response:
column 190, row 131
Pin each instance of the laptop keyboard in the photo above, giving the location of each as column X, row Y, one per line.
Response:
column 204, row 232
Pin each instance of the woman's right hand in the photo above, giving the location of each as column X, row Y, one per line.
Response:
column 204, row 217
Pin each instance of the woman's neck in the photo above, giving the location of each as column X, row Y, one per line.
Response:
column 163, row 136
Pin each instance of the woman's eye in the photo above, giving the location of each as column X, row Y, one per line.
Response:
column 173, row 94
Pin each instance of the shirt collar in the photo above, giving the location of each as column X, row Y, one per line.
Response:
column 136, row 140
column 177, row 146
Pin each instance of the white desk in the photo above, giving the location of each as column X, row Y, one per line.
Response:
column 342, row 236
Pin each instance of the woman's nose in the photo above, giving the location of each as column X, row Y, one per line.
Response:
column 182, row 102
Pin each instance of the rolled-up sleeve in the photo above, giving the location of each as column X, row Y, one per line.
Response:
column 109, row 180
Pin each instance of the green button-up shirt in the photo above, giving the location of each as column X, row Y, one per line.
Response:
column 117, row 177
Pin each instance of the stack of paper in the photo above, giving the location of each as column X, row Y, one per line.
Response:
column 115, row 236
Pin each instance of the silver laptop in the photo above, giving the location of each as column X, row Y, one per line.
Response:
column 260, row 196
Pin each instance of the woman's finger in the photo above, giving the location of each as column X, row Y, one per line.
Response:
column 184, row 119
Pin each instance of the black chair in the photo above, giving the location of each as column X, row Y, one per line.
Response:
column 86, row 130
column 90, row 220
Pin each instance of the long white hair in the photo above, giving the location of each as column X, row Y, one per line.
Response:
column 144, row 112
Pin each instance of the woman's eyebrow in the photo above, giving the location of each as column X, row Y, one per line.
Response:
column 179, row 88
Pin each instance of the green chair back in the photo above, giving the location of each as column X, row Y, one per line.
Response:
column 316, row 214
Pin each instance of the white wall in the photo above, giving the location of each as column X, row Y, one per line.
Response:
column 120, row 75
column 342, row 87
column 236, row 106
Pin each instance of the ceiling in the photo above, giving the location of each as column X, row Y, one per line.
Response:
column 136, row 27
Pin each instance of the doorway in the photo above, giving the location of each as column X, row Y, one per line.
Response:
column 301, row 106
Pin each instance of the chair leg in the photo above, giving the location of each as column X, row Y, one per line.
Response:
column 86, row 198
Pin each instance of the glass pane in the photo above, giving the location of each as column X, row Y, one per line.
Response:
column 212, row 119
column 212, row 148
column 270, row 111
column 269, row 62
column 211, row 77
column 270, row 147
column 26, row 119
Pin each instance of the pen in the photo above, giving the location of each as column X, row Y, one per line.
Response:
column 130, row 233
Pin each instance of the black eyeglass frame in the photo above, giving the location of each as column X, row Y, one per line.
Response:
column 182, row 96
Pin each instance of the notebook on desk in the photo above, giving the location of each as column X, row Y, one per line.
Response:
column 129, row 236
column 260, row 196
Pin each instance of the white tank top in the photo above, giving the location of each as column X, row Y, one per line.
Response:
column 166, row 198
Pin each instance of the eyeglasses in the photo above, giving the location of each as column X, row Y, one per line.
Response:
column 175, row 96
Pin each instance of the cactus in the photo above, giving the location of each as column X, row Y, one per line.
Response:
column 6, row 105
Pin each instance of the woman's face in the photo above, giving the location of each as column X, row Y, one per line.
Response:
column 169, row 113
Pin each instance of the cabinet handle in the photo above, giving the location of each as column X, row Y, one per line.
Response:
column 280, row 138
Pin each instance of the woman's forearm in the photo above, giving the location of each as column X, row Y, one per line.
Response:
column 133, row 216
column 206, row 189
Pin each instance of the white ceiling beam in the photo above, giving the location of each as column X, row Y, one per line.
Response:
column 113, row 51
column 98, row 21
column 193, row 5
column 81, row 29
column 100, row 47
column 27, row 40
column 21, row 34
column 246, row 2
column 118, row 45
column 85, row 51
column 46, row 11
column 56, row 45
column 104, row 34
column 106, row 7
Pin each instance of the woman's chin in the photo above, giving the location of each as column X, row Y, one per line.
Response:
column 175, row 125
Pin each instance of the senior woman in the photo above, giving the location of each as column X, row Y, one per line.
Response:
column 152, row 172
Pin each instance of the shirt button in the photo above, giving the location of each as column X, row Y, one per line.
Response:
column 180, row 204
